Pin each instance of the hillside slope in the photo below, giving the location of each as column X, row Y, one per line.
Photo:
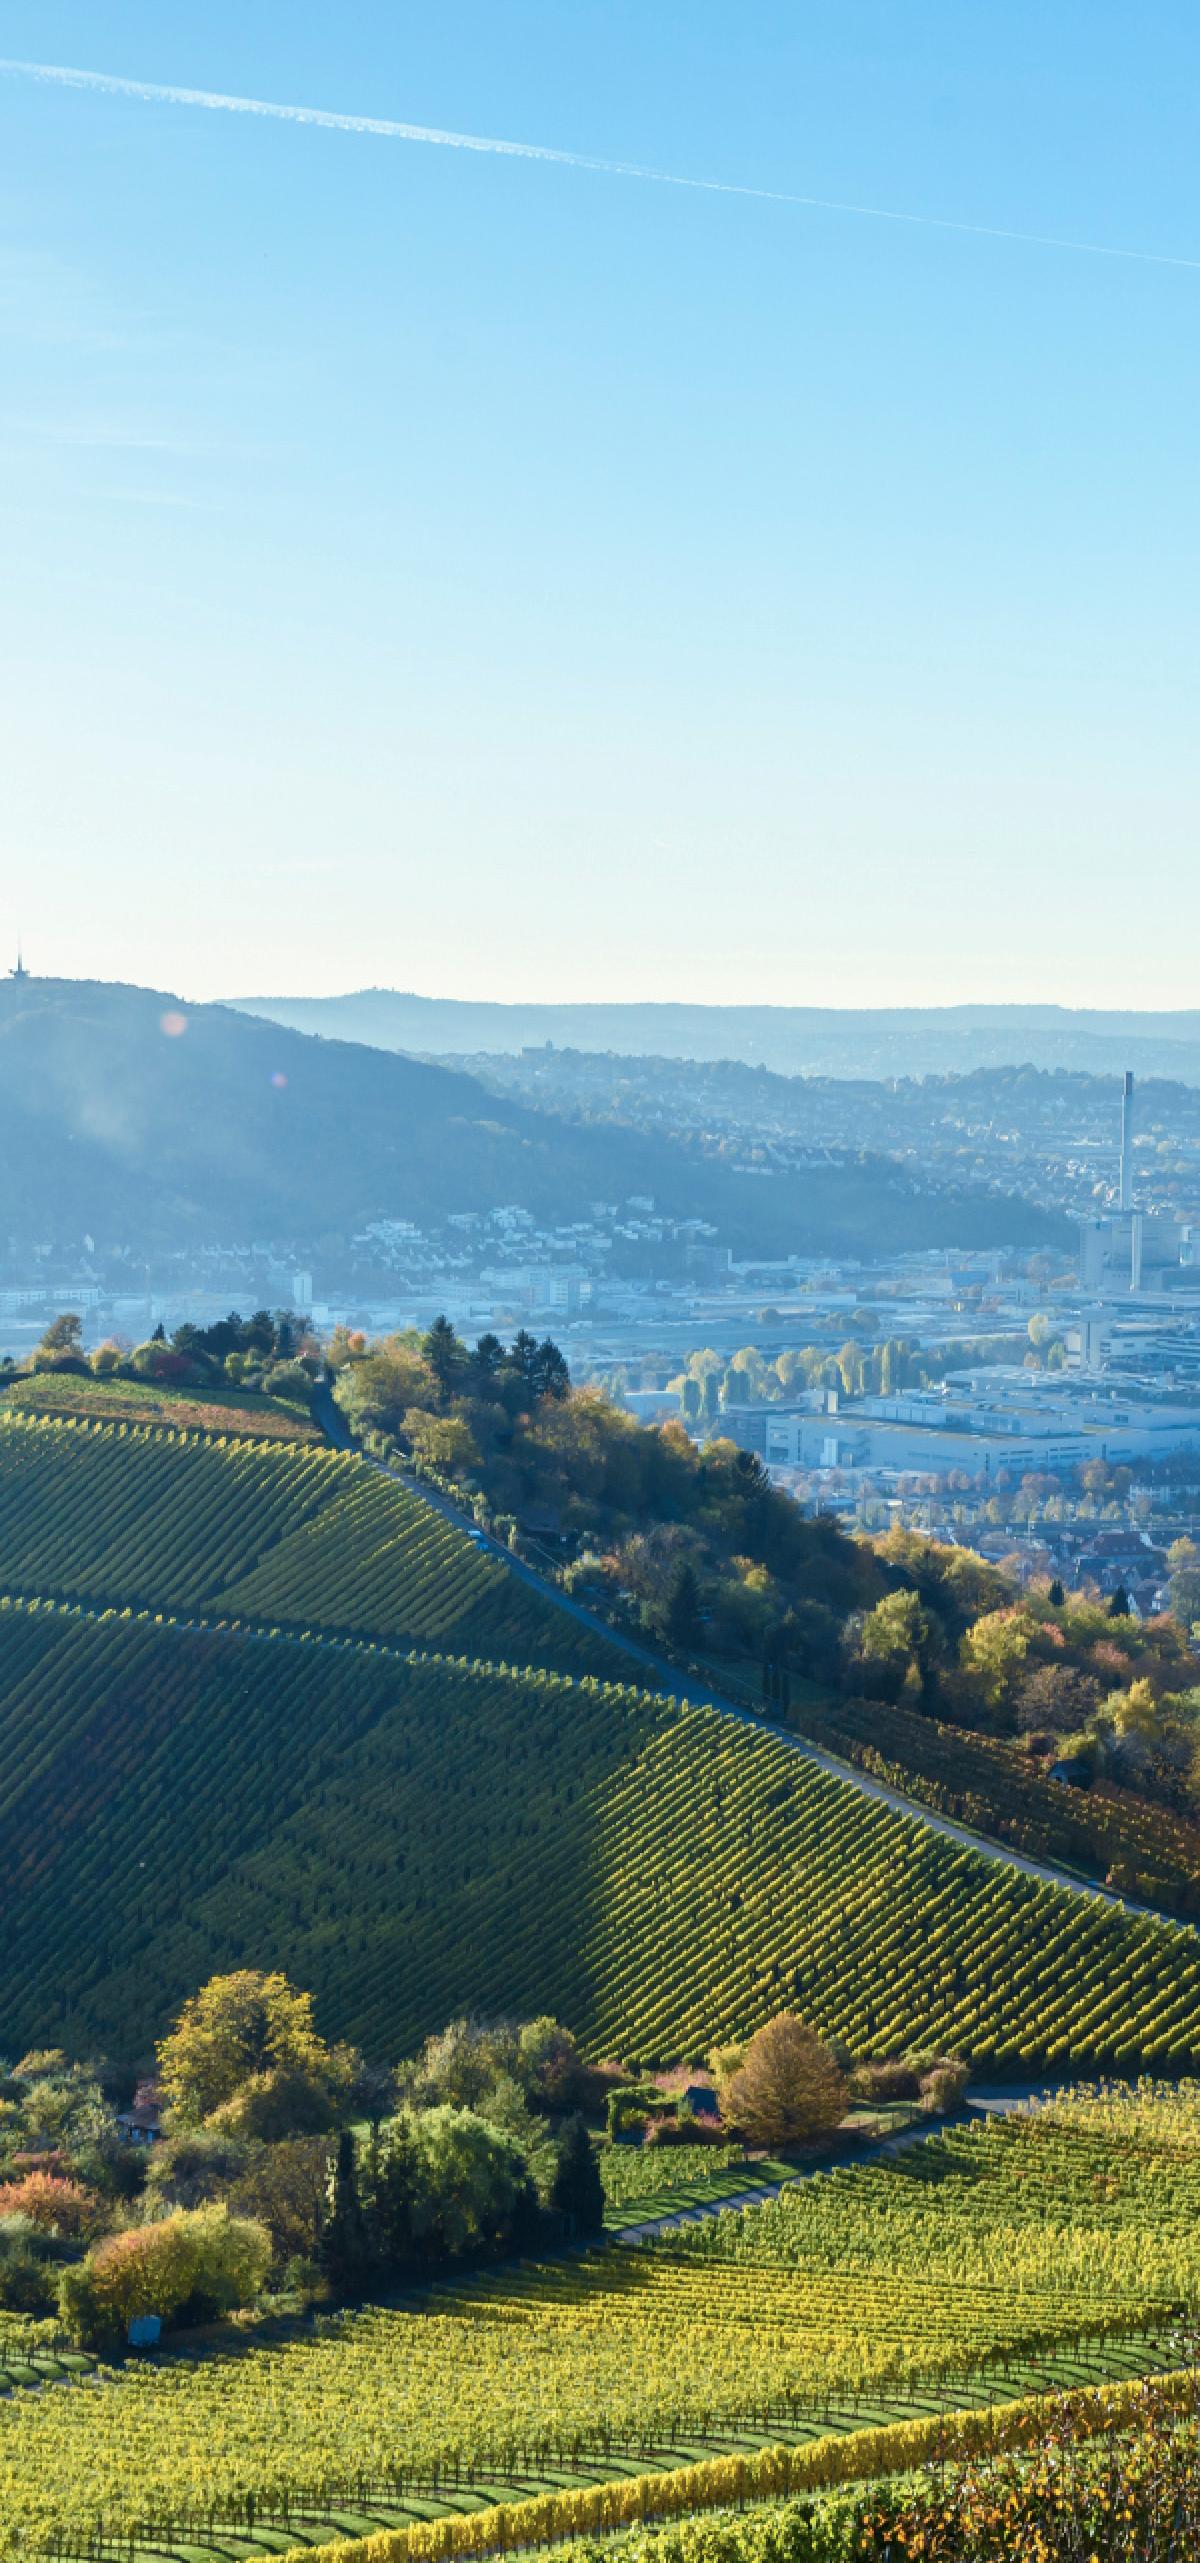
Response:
column 418, row 1840
column 223, row 1128
column 278, row 1534
column 251, row 1712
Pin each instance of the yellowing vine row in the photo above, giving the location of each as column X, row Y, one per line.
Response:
column 630, row 2351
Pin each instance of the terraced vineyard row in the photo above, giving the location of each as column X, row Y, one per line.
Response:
column 379, row 1560
column 633, row 2172
column 418, row 1838
column 135, row 1513
column 995, row 1788
column 637, row 2351
column 743, row 1879
column 120, row 1513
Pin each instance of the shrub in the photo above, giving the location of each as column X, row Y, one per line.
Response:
column 194, row 2167
column 54, row 2205
column 206, row 2260
column 26, row 2277
column 288, row 1379
column 686, row 2130
column 632, row 2106
column 942, row 2087
column 890, row 2078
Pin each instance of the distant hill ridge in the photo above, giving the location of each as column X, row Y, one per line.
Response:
column 876, row 1041
column 140, row 1120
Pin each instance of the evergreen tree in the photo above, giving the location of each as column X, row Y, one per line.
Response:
column 390, row 2182
column 343, row 2240
column 523, row 1359
column 578, row 2191
column 1056, row 1596
column 683, row 1607
column 445, row 1355
column 550, row 1375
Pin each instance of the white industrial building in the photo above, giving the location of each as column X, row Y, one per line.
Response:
column 982, row 1422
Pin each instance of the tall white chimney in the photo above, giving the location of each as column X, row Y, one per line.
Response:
column 1126, row 1198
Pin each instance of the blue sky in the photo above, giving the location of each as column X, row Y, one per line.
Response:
column 485, row 576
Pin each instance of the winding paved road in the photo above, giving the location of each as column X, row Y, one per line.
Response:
column 668, row 1678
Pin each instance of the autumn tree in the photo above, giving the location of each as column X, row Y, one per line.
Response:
column 440, row 1441
column 251, row 2036
column 993, row 1652
column 784, row 2087
column 1183, row 1561
column 61, row 1343
column 898, row 1645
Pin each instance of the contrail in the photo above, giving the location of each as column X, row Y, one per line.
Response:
column 155, row 94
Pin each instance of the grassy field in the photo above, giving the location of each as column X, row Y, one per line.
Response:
column 1056, row 2248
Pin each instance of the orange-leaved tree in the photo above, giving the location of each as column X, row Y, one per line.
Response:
column 784, row 2087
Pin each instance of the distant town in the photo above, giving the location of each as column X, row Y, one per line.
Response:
column 1040, row 1405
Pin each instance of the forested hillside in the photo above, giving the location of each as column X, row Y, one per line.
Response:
column 150, row 1125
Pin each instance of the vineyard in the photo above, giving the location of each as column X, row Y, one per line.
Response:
column 259, row 1695
column 247, row 1529
column 415, row 1837
column 1111, row 2475
column 1058, row 2245
column 996, row 1788
column 138, row 1401
column 1097, row 2195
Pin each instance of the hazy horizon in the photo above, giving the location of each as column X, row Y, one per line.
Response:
column 603, row 1000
